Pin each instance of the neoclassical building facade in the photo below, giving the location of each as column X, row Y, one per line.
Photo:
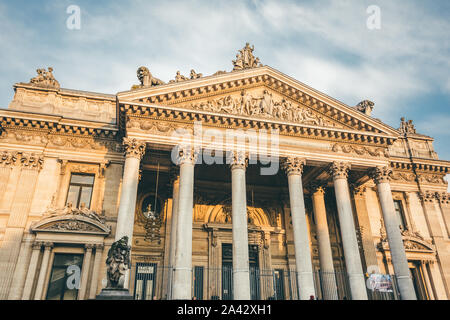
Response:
column 244, row 184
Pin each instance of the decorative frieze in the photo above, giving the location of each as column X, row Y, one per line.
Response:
column 360, row 150
column 381, row 174
column 339, row 170
column 134, row 148
column 292, row 165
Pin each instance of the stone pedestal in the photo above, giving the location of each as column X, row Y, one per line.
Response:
column 114, row 294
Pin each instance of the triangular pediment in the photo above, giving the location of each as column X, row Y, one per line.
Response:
column 259, row 93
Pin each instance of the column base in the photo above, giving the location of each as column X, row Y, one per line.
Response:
column 114, row 294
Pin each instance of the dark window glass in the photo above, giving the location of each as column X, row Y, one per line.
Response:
column 80, row 190
column 400, row 214
column 65, row 277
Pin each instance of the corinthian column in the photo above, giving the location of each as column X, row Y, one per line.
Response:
column 182, row 277
column 381, row 176
column 241, row 273
column 339, row 171
column 134, row 151
column 323, row 238
column 294, row 170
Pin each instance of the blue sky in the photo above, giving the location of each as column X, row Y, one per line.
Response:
column 403, row 67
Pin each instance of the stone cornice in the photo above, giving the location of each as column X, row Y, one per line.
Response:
column 425, row 165
column 188, row 116
column 56, row 125
column 68, row 92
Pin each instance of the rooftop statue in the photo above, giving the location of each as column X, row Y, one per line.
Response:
column 45, row 79
column 365, row 107
column 407, row 126
column 146, row 79
column 245, row 59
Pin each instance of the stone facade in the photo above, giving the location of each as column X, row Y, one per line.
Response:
column 344, row 181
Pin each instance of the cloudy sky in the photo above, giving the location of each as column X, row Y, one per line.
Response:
column 403, row 66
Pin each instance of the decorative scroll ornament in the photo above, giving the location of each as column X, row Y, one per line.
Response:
column 45, row 79
column 263, row 106
column 146, row 79
column 381, row 174
column 360, row 150
column 406, row 127
column 339, row 170
column 118, row 262
column 292, row 165
column 365, row 107
column 134, row 147
column 245, row 59
column 237, row 159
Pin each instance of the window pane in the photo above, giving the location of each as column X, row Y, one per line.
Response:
column 84, row 179
column 58, row 288
column 72, row 196
column 85, row 198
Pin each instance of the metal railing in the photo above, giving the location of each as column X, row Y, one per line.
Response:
column 153, row 282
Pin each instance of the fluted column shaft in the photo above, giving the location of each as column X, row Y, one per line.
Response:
column 381, row 176
column 96, row 270
column 241, row 271
column 323, row 238
column 182, row 270
column 294, row 169
column 339, row 171
column 32, row 267
column 173, row 228
column 43, row 272
column 85, row 271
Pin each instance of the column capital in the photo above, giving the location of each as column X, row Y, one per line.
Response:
column 237, row 159
column 339, row 169
column 89, row 246
column 99, row 246
column 381, row 174
column 426, row 196
column 32, row 161
column 293, row 165
column 443, row 197
column 134, row 148
column 317, row 188
column 185, row 154
column 48, row 245
column 37, row 245
column 358, row 190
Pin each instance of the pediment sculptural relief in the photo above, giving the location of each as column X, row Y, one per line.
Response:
column 263, row 105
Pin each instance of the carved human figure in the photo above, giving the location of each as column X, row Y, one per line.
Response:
column 246, row 103
column 195, row 75
column 179, row 77
column 267, row 103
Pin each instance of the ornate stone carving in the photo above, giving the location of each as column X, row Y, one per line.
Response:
column 69, row 210
column 406, row 127
column 427, row 196
column 72, row 225
column 8, row 158
column 37, row 245
column 237, row 159
column 317, row 187
column 358, row 190
column 32, row 161
column 179, row 77
column 339, row 170
column 292, row 165
column 134, row 148
column 360, row 150
column 263, row 106
column 245, row 59
column 365, row 107
column 381, row 174
column 403, row 176
column 146, row 79
column 186, row 154
column 431, row 178
column 45, row 79
column 443, row 197
column 118, row 262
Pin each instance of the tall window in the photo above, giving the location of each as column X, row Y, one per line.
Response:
column 400, row 213
column 80, row 189
column 65, row 277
